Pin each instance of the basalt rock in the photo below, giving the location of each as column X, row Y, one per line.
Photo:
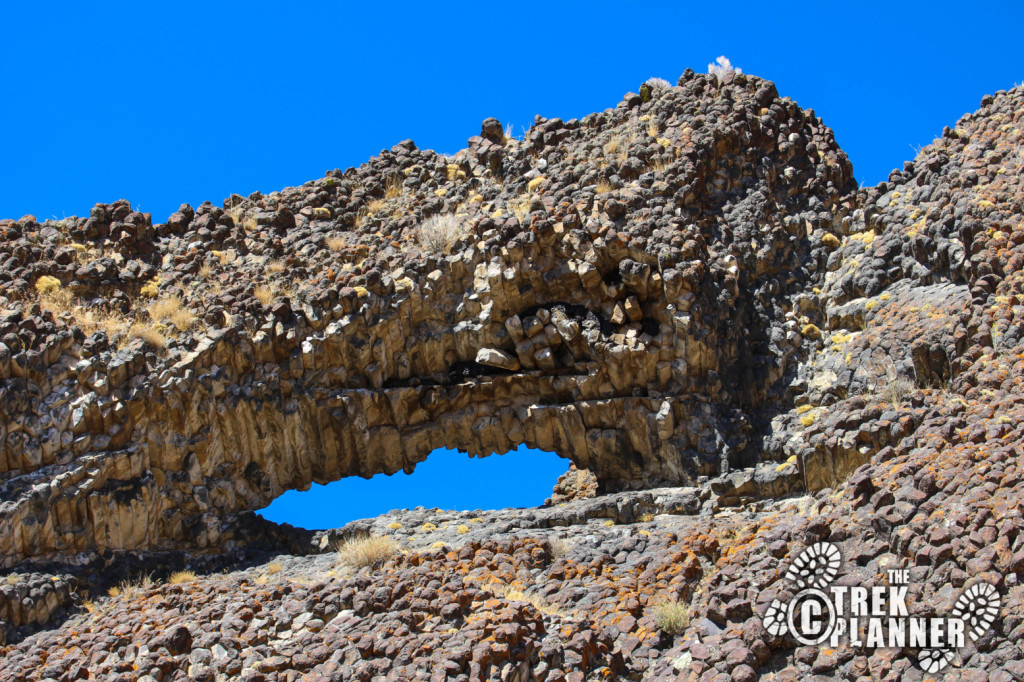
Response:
column 618, row 290
column 685, row 295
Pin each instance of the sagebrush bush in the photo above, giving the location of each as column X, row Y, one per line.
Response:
column 673, row 616
column 723, row 69
column 438, row 233
column 658, row 83
column 897, row 389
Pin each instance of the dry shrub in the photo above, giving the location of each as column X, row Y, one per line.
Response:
column 179, row 577
column 611, row 147
column 895, row 391
column 94, row 320
column 376, row 206
column 557, row 548
column 47, row 285
column 672, row 616
column 438, row 233
column 276, row 266
column 603, row 186
column 335, row 243
column 274, row 567
column 366, row 551
column 151, row 289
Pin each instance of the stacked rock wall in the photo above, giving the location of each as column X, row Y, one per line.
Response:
column 628, row 290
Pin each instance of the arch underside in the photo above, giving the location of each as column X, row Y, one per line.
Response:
column 247, row 418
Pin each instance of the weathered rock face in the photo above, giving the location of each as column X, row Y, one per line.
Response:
column 623, row 290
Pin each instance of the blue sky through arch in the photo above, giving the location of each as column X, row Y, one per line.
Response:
column 447, row 479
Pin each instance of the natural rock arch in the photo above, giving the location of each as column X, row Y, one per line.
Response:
column 647, row 333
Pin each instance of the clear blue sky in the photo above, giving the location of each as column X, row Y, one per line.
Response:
column 163, row 103
column 448, row 479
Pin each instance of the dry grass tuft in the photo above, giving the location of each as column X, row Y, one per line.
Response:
column 673, row 617
column 149, row 333
column 520, row 207
column 179, row 577
column 274, row 567
column 59, row 302
column 265, row 294
column 170, row 310
column 130, row 589
column 393, row 189
column 603, row 186
column 276, row 266
column 335, row 243
column 536, row 601
column 366, row 551
column 438, row 233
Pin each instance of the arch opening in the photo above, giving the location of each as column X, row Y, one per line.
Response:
column 447, row 479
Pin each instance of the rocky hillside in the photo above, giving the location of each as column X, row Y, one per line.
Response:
column 686, row 295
